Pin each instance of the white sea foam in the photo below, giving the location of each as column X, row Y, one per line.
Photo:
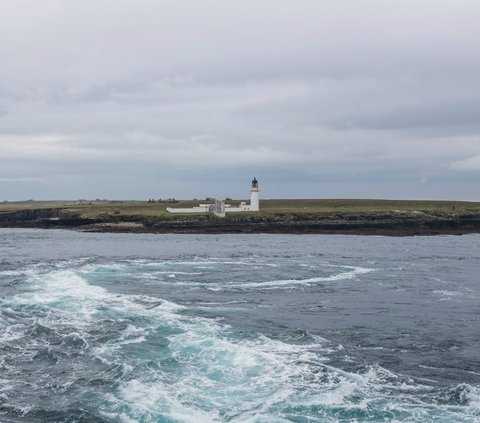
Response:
column 11, row 272
column 474, row 398
column 257, row 371
column 448, row 293
column 245, row 379
column 350, row 274
column 216, row 374
column 353, row 273
column 175, row 272
column 96, row 267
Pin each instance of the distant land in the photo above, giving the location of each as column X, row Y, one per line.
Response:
column 362, row 217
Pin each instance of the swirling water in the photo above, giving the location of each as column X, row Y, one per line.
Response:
column 238, row 328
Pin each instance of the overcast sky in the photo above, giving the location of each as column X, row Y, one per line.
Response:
column 192, row 98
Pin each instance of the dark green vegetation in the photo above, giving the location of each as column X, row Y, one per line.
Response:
column 388, row 217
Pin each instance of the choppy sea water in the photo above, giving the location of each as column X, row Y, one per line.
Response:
column 238, row 328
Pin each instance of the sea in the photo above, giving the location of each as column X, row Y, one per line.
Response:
column 238, row 328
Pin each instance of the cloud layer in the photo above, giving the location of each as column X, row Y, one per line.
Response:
column 328, row 98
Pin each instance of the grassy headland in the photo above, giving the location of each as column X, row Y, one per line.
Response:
column 388, row 217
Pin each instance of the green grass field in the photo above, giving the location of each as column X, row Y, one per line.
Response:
column 267, row 207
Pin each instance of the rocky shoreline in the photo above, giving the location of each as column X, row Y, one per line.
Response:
column 388, row 224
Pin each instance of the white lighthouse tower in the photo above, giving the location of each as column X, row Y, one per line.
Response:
column 254, row 196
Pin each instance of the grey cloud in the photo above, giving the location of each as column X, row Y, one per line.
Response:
column 468, row 164
column 170, row 90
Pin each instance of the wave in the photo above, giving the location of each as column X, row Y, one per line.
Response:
column 141, row 358
column 351, row 274
column 167, row 272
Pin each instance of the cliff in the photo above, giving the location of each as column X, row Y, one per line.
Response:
column 394, row 223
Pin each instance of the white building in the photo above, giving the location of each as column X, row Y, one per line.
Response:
column 220, row 208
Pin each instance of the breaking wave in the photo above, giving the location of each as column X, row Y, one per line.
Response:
column 75, row 350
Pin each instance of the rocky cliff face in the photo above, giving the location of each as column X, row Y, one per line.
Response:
column 39, row 218
column 394, row 224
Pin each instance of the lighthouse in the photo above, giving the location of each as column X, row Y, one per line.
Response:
column 220, row 208
column 254, row 196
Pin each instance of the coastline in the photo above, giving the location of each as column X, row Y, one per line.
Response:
column 386, row 224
